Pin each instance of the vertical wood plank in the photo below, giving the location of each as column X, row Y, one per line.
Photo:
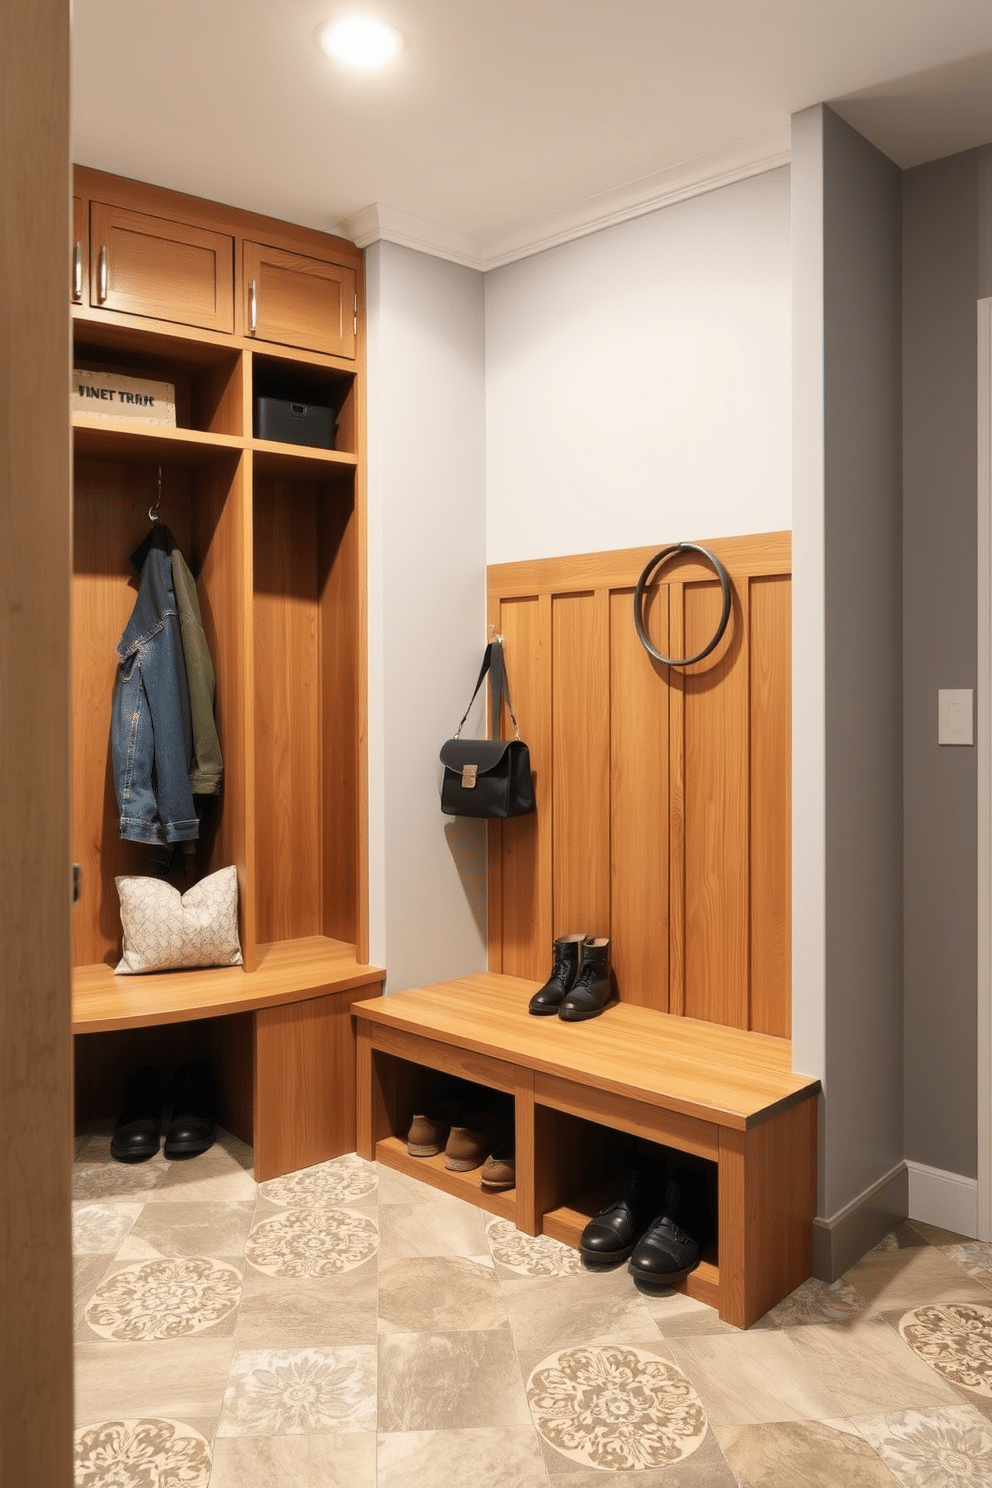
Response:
column 770, row 810
column 639, row 809
column 716, row 813
column 525, row 841
column 527, row 1218
column 286, row 656
column 581, row 784
column 339, row 852
column 676, row 827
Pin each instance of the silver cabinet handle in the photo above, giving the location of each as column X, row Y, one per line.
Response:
column 77, row 272
column 102, row 285
column 252, row 306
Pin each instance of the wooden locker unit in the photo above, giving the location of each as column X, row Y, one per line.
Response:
column 275, row 536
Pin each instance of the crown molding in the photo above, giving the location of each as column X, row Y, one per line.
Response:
column 750, row 157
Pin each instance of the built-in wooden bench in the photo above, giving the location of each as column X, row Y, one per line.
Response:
column 279, row 1038
column 723, row 1095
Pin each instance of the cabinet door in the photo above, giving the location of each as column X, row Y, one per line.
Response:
column 79, row 261
column 166, row 270
column 299, row 301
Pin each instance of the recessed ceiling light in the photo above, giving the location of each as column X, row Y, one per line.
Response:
column 359, row 41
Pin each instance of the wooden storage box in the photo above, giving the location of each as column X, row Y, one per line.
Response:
column 114, row 395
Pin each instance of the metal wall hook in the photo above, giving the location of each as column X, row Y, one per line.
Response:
column 153, row 510
column 494, row 635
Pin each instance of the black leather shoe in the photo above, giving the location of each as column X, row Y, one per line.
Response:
column 136, row 1131
column 192, row 1129
column 611, row 1235
column 666, row 1253
column 565, row 968
column 593, row 987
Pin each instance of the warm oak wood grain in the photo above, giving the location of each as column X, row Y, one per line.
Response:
column 35, row 559
column 771, row 792
column 165, row 269
column 299, row 300
column 718, row 1093
column 669, row 807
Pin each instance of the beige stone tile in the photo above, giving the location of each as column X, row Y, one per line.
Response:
column 223, row 1172
column 330, row 1459
column 102, row 1228
column 973, row 1256
column 158, row 1300
column 438, row 1294
column 98, row 1179
column 817, row 1302
column 706, row 1467
column 946, row 1448
column 434, row 1224
column 343, row 1180
column 482, row 1457
column 195, row 1228
column 934, row 1235
column 183, row 1378
column 87, row 1273
column 443, row 1381
column 752, row 1377
column 551, row 1312
column 678, row 1315
column 292, row 1312
column 910, row 1276
column 867, row 1367
column 288, row 1392
column 804, row 1454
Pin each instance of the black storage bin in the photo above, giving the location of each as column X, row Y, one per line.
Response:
column 294, row 423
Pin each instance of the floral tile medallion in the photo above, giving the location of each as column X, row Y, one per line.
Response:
column 531, row 1255
column 947, row 1448
column 339, row 1181
column 147, row 1453
column 114, row 1180
column 973, row 1256
column 955, row 1338
column 164, row 1299
column 284, row 1392
column 312, row 1242
column 615, row 1407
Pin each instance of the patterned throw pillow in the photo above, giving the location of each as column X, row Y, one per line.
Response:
column 165, row 930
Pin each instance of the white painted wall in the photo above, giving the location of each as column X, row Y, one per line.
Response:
column 638, row 380
column 427, row 561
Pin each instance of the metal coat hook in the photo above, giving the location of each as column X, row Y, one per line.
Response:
column 153, row 510
column 494, row 635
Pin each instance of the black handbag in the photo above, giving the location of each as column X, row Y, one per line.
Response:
column 488, row 777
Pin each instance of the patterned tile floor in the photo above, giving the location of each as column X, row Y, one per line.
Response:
column 347, row 1327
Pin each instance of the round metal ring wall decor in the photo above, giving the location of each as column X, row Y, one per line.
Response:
column 652, row 571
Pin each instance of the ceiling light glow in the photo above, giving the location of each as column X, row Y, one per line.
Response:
column 359, row 41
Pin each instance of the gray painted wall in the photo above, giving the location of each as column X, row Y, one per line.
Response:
column 848, row 655
column 947, row 268
column 427, row 565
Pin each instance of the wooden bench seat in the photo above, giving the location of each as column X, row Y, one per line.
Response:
column 722, row 1095
column 279, row 1038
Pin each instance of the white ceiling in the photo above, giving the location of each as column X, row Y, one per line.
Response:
column 509, row 124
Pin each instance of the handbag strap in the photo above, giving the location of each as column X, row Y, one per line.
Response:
column 493, row 663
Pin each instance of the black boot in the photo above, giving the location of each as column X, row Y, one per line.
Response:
column 565, row 956
column 593, row 987
column 611, row 1235
column 670, row 1247
column 191, row 1130
column 136, row 1131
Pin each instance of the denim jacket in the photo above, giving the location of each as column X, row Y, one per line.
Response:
column 151, row 732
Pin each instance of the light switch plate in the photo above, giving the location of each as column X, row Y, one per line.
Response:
column 956, row 710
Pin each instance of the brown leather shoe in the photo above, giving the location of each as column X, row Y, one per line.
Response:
column 429, row 1131
column 469, row 1145
column 499, row 1171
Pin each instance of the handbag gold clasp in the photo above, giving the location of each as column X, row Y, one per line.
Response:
column 468, row 776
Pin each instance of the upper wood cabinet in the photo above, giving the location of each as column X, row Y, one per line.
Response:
column 144, row 265
column 296, row 300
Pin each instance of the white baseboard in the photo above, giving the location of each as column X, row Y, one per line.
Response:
column 943, row 1199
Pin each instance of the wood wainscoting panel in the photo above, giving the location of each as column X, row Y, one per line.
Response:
column 714, row 695
column 580, row 786
column 771, row 818
column 520, row 896
column 663, row 793
column 639, row 820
